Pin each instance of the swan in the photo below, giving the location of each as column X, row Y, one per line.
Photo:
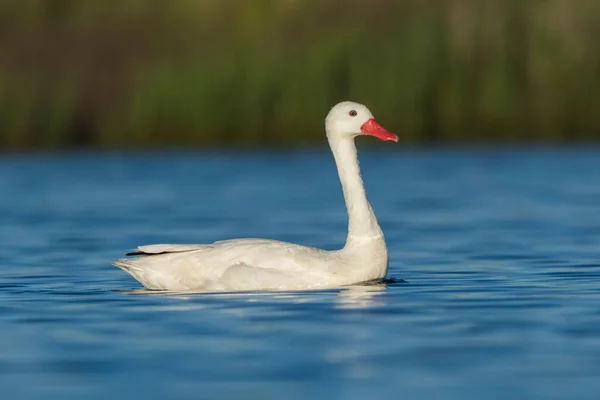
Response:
column 261, row 264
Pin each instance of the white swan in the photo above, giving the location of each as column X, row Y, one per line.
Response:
column 260, row 264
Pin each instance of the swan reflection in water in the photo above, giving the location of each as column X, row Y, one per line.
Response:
column 363, row 295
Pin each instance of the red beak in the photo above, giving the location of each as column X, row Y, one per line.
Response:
column 372, row 128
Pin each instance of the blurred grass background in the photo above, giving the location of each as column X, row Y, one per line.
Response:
column 146, row 73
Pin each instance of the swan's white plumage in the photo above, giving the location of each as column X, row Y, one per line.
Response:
column 259, row 264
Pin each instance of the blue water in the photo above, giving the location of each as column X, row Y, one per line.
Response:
column 500, row 251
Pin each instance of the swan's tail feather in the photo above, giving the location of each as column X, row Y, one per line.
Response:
column 127, row 265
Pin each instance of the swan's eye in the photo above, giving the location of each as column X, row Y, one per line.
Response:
column 353, row 113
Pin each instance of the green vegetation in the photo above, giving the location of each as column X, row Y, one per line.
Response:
column 139, row 73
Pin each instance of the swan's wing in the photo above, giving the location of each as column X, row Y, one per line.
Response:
column 241, row 276
column 156, row 249
column 234, row 277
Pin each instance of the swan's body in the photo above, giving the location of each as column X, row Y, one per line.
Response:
column 260, row 264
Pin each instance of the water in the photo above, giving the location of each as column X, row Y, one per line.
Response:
column 500, row 251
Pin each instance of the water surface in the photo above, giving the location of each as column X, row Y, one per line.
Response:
column 500, row 251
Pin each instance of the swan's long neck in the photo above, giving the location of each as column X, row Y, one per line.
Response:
column 362, row 224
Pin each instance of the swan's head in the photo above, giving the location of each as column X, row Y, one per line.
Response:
column 349, row 119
